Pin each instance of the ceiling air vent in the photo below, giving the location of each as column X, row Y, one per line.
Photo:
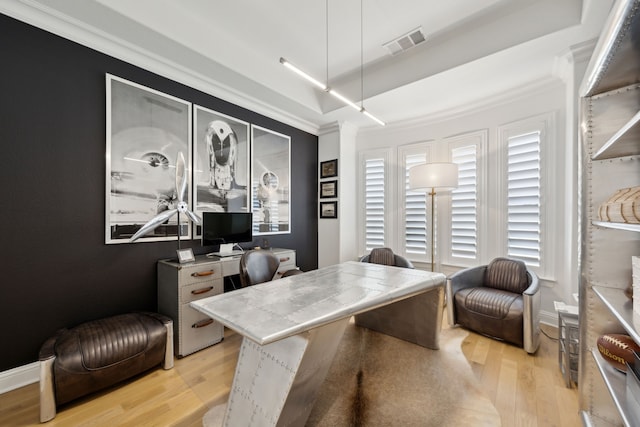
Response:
column 406, row 42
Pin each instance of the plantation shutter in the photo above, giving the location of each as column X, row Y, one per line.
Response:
column 523, row 176
column 374, row 203
column 464, row 204
column 415, row 226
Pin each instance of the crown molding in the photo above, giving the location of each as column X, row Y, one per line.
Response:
column 48, row 19
column 486, row 103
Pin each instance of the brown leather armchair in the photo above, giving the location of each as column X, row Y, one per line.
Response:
column 501, row 300
column 386, row 256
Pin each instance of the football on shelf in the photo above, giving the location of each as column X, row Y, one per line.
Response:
column 616, row 349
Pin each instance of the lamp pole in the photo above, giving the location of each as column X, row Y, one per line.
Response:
column 433, row 230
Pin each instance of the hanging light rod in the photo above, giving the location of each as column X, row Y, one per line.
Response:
column 333, row 92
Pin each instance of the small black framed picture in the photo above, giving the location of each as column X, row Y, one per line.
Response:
column 185, row 255
column 328, row 189
column 328, row 209
column 329, row 168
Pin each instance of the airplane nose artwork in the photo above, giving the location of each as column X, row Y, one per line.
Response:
column 221, row 146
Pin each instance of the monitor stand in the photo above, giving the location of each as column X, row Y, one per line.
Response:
column 225, row 254
column 226, row 250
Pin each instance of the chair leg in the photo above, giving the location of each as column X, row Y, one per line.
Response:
column 168, row 349
column 450, row 308
column 47, row 395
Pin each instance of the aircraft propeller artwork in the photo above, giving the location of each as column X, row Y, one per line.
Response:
column 182, row 206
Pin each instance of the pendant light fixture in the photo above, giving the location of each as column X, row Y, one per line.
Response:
column 325, row 86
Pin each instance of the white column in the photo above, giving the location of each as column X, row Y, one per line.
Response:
column 337, row 238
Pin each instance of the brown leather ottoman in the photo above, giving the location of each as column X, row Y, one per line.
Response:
column 98, row 354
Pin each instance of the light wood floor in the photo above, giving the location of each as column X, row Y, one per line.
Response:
column 526, row 390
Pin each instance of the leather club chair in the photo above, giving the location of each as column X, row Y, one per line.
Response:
column 500, row 300
column 98, row 354
column 385, row 256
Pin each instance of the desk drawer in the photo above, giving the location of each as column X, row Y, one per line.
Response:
column 196, row 291
column 287, row 262
column 199, row 273
column 197, row 331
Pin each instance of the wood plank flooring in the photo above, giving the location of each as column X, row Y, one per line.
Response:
column 526, row 390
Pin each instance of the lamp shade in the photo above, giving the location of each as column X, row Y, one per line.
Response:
column 433, row 176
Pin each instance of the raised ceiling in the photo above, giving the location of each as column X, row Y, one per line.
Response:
column 474, row 49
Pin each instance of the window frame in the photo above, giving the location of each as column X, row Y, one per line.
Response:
column 480, row 139
column 544, row 124
column 426, row 148
column 363, row 157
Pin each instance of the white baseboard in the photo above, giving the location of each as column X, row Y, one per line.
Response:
column 549, row 318
column 19, row 377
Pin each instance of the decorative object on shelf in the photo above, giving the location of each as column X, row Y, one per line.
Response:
column 328, row 189
column 220, row 163
column 145, row 130
column 181, row 207
column 623, row 206
column 431, row 177
column 329, row 210
column 270, row 175
column 617, row 349
column 329, row 169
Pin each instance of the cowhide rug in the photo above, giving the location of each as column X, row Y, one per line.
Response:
column 378, row 380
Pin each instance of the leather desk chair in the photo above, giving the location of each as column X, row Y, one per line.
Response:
column 386, row 256
column 258, row 266
column 500, row 300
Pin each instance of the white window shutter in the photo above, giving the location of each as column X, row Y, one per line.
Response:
column 415, row 227
column 464, row 204
column 523, row 198
column 374, row 203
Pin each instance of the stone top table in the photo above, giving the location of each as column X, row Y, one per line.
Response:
column 292, row 328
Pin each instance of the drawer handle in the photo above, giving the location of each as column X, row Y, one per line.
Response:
column 285, row 259
column 202, row 323
column 201, row 291
column 202, row 273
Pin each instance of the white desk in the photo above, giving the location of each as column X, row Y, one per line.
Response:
column 292, row 328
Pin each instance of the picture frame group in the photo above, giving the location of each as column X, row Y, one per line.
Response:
column 328, row 189
column 233, row 165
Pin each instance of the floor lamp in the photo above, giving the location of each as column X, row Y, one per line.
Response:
column 433, row 177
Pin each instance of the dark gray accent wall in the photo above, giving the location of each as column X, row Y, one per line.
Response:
column 56, row 269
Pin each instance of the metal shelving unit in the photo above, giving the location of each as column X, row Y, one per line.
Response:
column 610, row 138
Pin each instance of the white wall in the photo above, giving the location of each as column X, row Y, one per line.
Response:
column 337, row 237
column 555, row 96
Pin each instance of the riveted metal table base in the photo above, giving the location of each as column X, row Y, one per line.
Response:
column 417, row 319
column 277, row 384
column 292, row 327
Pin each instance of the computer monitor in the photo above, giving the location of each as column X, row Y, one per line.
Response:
column 226, row 228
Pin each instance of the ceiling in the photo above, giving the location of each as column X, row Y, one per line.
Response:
column 474, row 49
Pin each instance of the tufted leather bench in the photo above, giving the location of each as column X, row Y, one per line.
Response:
column 98, row 354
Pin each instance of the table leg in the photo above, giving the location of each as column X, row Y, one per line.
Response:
column 417, row 319
column 277, row 384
